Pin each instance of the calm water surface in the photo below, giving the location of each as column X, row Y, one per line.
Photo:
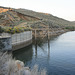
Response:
column 56, row 55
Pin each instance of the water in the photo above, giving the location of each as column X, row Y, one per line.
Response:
column 56, row 55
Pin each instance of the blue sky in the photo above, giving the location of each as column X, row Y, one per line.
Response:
column 61, row 8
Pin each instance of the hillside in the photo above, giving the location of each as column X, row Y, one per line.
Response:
column 47, row 17
column 10, row 17
column 73, row 21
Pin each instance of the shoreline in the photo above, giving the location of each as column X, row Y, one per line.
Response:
column 48, row 33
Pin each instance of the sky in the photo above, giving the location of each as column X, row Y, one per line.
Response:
column 61, row 8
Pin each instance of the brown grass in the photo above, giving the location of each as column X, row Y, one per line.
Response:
column 9, row 66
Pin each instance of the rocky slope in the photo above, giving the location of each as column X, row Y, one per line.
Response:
column 49, row 18
column 36, row 20
column 9, row 17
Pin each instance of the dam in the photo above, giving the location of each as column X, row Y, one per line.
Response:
column 15, row 41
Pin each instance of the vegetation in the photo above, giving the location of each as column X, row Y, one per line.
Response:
column 17, row 29
column 72, row 28
column 9, row 66
column 13, row 30
column 1, row 29
column 19, row 20
column 47, row 17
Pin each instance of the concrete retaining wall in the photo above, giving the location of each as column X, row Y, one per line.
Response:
column 5, row 43
column 19, row 40
column 21, row 37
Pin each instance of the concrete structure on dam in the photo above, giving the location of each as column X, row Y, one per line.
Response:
column 15, row 41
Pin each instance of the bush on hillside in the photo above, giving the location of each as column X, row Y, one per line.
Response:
column 17, row 29
column 70, row 28
column 1, row 29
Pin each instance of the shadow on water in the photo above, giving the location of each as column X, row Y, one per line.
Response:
column 24, row 54
column 39, row 42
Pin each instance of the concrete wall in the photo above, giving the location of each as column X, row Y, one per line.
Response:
column 21, row 40
column 17, row 41
column 5, row 43
column 21, row 37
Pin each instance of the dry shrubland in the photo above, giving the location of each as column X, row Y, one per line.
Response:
column 9, row 66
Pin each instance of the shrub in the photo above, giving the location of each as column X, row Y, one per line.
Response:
column 9, row 66
column 10, row 30
column 14, row 30
column 1, row 29
column 70, row 28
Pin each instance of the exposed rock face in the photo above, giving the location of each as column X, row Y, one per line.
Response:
column 10, row 17
column 3, row 10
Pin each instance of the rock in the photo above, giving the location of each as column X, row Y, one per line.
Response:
column 19, row 64
column 27, row 72
column 26, row 68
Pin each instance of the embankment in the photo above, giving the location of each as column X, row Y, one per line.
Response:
column 48, row 32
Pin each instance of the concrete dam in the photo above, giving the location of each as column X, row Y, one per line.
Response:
column 15, row 41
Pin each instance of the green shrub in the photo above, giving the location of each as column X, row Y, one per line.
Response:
column 17, row 29
column 70, row 28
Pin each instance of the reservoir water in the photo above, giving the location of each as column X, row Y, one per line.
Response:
column 56, row 55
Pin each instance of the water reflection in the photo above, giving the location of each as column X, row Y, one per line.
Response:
column 24, row 54
column 39, row 42
column 48, row 49
column 36, row 48
column 56, row 54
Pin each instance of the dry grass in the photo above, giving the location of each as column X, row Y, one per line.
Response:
column 9, row 66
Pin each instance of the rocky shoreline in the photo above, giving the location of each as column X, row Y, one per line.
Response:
column 51, row 32
column 58, row 32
